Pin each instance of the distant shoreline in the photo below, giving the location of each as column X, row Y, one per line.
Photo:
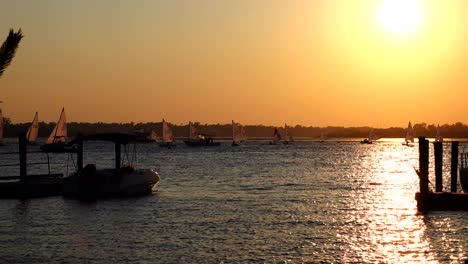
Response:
column 224, row 131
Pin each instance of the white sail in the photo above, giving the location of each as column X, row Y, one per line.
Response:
column 193, row 134
column 153, row 136
column 372, row 135
column 439, row 137
column 409, row 133
column 167, row 136
column 238, row 133
column 1, row 127
column 33, row 130
column 59, row 134
column 322, row 136
column 243, row 134
column 287, row 134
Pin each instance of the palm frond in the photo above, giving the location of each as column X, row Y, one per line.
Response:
column 8, row 49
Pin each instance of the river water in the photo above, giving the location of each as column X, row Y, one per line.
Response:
column 341, row 202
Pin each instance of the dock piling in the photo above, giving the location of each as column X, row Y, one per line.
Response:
column 423, row 165
column 454, row 167
column 438, row 154
column 22, row 143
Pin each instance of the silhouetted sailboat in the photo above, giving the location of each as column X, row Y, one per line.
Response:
column 196, row 139
column 372, row 137
column 33, row 130
column 288, row 136
column 238, row 134
column 56, row 140
column 276, row 137
column 409, row 135
column 167, row 137
column 323, row 137
column 439, row 137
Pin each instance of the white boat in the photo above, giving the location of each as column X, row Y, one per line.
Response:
column 33, row 130
column 196, row 139
column 238, row 134
column 409, row 136
column 1, row 128
column 167, row 137
column 439, row 137
column 288, row 136
column 372, row 137
column 121, row 181
column 56, row 140
column 276, row 137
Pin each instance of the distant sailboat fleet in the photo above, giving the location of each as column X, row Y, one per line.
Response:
column 56, row 142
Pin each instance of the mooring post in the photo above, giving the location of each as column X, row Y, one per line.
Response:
column 423, row 165
column 438, row 154
column 117, row 155
column 454, row 167
column 79, row 152
column 22, row 143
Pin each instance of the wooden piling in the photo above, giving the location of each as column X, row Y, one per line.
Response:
column 423, row 165
column 438, row 154
column 79, row 153
column 22, row 143
column 454, row 167
column 117, row 155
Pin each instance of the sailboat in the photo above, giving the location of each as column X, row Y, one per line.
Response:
column 1, row 128
column 167, row 137
column 33, row 130
column 439, row 137
column 276, row 137
column 145, row 137
column 372, row 137
column 238, row 134
column 409, row 136
column 56, row 140
column 196, row 139
column 288, row 137
column 323, row 137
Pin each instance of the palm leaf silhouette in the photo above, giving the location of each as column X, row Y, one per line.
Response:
column 8, row 49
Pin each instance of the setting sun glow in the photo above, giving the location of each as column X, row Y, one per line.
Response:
column 401, row 16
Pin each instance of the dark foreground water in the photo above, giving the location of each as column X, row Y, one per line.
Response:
column 309, row 202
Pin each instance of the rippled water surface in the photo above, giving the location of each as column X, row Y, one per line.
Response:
column 308, row 202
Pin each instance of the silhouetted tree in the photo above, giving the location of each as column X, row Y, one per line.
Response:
column 8, row 49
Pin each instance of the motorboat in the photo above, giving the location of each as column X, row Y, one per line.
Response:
column 121, row 181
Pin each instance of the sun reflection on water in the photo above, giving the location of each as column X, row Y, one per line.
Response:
column 388, row 222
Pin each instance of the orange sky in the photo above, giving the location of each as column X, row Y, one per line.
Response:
column 321, row 62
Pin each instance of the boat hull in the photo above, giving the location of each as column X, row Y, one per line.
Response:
column 201, row 143
column 57, row 148
column 167, row 145
column 125, row 182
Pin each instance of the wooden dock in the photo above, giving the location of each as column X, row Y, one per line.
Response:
column 438, row 200
column 29, row 186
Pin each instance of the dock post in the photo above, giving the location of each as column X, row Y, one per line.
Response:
column 117, row 155
column 454, row 167
column 22, row 143
column 79, row 154
column 438, row 154
column 423, row 165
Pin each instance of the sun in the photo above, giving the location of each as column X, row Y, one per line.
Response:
column 400, row 16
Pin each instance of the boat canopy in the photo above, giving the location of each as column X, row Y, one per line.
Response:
column 117, row 138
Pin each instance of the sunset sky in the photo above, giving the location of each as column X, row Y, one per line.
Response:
column 320, row 62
